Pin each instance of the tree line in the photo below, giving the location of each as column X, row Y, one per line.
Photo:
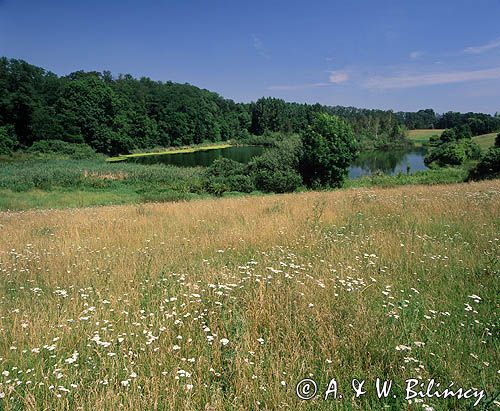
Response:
column 115, row 115
column 470, row 123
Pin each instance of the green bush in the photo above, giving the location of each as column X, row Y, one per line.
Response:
column 276, row 169
column 488, row 166
column 7, row 140
column 225, row 175
column 329, row 148
column 453, row 153
column 72, row 150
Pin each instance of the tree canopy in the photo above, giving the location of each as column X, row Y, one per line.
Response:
column 120, row 114
column 328, row 147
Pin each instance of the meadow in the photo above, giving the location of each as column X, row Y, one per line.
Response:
column 420, row 136
column 485, row 141
column 225, row 304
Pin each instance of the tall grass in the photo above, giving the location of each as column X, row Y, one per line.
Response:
column 226, row 304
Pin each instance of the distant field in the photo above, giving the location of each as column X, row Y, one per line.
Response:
column 421, row 136
column 226, row 304
column 424, row 133
column 485, row 141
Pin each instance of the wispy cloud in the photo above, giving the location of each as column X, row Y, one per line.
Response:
column 337, row 77
column 259, row 47
column 484, row 48
column 417, row 80
column 414, row 55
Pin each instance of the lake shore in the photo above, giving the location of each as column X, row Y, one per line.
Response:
column 171, row 150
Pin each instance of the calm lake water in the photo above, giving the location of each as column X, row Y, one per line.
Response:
column 387, row 162
column 202, row 158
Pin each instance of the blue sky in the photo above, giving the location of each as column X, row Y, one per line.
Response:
column 390, row 54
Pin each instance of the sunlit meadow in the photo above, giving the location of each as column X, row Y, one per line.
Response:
column 226, row 304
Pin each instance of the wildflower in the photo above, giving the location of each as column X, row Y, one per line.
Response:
column 224, row 341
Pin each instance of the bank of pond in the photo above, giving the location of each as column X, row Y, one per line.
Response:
column 390, row 162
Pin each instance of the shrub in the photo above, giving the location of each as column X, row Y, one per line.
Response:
column 329, row 147
column 225, row 175
column 453, row 153
column 276, row 170
column 63, row 148
column 7, row 140
column 488, row 166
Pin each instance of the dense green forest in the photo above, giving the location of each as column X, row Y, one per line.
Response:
column 120, row 114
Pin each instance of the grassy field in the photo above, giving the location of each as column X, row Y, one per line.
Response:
column 485, row 141
column 60, row 183
column 226, row 304
column 420, row 136
column 57, row 183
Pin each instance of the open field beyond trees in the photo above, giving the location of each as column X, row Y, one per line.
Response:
column 228, row 303
column 485, row 141
column 420, row 136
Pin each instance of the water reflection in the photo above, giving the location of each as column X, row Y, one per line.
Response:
column 368, row 163
column 388, row 162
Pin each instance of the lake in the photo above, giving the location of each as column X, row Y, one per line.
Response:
column 368, row 163
column 203, row 157
column 388, row 162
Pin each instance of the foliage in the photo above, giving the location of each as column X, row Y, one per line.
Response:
column 276, row 170
column 117, row 115
column 440, row 175
column 488, row 166
column 124, row 114
column 453, row 153
column 475, row 123
column 225, row 175
column 72, row 150
column 52, row 173
column 7, row 140
column 328, row 149
column 453, row 147
column 421, row 119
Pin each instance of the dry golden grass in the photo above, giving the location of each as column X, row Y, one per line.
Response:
column 227, row 304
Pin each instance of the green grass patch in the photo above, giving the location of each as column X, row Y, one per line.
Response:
column 444, row 175
column 421, row 136
column 485, row 141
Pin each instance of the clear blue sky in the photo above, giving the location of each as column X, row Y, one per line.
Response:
column 399, row 54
